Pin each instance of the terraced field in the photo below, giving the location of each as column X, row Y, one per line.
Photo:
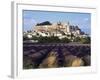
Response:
column 55, row 55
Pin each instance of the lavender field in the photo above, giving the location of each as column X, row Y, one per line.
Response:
column 55, row 55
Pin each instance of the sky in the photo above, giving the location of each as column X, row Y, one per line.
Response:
column 32, row 17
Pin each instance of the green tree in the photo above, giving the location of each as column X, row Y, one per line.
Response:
column 85, row 40
column 65, row 40
column 77, row 39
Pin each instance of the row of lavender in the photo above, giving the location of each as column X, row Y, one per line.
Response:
column 55, row 55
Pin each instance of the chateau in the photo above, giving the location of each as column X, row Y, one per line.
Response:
column 58, row 29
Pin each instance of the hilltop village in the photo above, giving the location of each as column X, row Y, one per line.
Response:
column 60, row 30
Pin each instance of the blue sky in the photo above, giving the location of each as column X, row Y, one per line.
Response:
column 31, row 18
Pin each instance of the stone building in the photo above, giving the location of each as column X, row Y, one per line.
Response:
column 56, row 29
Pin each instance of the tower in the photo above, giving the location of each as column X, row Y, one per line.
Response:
column 68, row 27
